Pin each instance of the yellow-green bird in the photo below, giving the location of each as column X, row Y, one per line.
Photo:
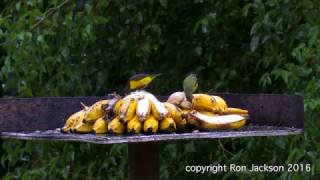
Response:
column 190, row 85
column 140, row 81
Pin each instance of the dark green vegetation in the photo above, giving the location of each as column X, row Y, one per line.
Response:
column 73, row 48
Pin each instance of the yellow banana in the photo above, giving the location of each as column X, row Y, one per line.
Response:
column 151, row 125
column 191, row 121
column 95, row 111
column 127, row 109
column 113, row 106
column 221, row 104
column 208, row 113
column 181, row 125
column 167, row 125
column 143, row 109
column 82, row 127
column 218, row 122
column 72, row 120
column 236, row 111
column 176, row 114
column 134, row 125
column 100, row 126
column 208, row 103
column 115, row 126
column 117, row 106
column 110, row 105
column 173, row 111
column 78, row 121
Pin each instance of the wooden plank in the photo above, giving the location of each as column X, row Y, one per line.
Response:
column 30, row 114
column 270, row 109
column 247, row 131
column 144, row 161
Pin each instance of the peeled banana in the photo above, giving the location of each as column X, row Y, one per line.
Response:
column 151, row 125
column 116, row 127
column 218, row 122
column 100, row 126
column 158, row 109
column 143, row 109
column 167, row 125
column 134, row 125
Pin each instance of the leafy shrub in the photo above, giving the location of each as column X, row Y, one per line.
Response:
column 73, row 48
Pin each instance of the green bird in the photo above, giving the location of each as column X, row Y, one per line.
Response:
column 140, row 81
column 190, row 85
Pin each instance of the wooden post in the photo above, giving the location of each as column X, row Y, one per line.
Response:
column 143, row 161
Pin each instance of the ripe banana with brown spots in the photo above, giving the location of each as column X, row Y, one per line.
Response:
column 116, row 127
column 127, row 110
column 134, row 125
column 167, row 125
column 176, row 114
column 95, row 111
column 100, row 126
column 151, row 125
column 73, row 120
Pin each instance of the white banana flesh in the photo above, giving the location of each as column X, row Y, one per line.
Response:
column 143, row 109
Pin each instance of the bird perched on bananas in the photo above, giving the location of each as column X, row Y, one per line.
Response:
column 140, row 81
column 190, row 85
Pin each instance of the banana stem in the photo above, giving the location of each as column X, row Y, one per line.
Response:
column 84, row 106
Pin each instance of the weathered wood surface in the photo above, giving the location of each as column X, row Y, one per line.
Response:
column 248, row 131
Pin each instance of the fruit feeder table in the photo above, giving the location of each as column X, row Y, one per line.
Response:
column 39, row 118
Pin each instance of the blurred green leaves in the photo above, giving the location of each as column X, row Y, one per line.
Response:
column 92, row 47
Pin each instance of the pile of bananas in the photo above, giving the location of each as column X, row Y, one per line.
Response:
column 208, row 112
column 141, row 111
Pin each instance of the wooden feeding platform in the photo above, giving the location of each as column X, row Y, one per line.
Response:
column 40, row 118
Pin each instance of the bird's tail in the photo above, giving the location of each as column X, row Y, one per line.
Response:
column 156, row 75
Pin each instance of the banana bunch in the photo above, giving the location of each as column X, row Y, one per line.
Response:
column 138, row 112
column 208, row 112
column 94, row 118
column 142, row 112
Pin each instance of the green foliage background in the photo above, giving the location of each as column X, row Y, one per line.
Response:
column 75, row 48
